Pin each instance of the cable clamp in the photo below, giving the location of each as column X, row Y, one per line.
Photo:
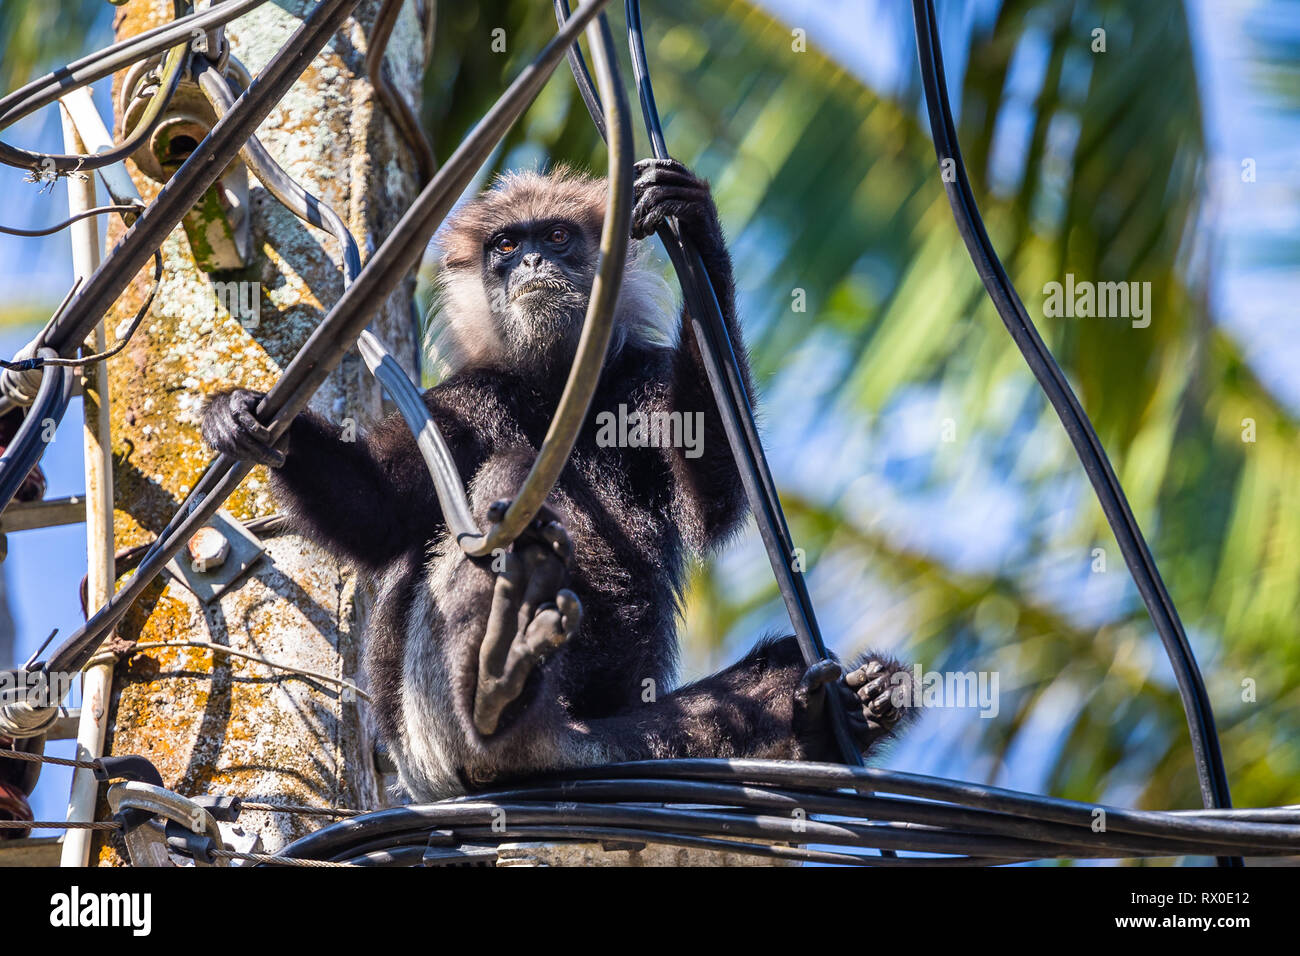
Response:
column 155, row 821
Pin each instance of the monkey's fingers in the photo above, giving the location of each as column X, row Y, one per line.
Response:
column 254, row 440
column 237, row 443
column 503, row 617
column 877, row 704
column 861, row 675
column 873, row 710
column 230, row 426
column 553, row 533
column 243, row 404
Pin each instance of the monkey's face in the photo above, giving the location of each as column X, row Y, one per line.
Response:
column 538, row 276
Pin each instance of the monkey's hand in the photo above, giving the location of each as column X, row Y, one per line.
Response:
column 665, row 187
column 230, row 426
column 531, row 617
column 876, row 696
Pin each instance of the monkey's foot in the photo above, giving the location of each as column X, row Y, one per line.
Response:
column 876, row 696
column 665, row 187
column 531, row 617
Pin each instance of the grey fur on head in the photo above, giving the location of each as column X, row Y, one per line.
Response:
column 465, row 331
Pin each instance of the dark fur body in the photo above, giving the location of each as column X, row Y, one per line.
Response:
column 635, row 517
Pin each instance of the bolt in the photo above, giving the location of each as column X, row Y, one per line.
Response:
column 208, row 549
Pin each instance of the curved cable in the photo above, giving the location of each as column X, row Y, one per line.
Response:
column 84, row 214
column 278, row 182
column 1210, row 770
column 51, row 87
column 598, row 325
column 679, row 802
column 57, row 362
column 581, row 76
column 399, row 109
column 29, row 443
column 174, row 65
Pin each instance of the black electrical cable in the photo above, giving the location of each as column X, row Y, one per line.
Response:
column 582, row 76
column 279, row 183
column 727, row 383
column 730, row 392
column 399, row 110
column 338, row 838
column 84, row 214
column 712, row 803
column 472, row 820
column 1168, row 823
column 23, row 365
column 173, row 69
column 1137, row 555
column 404, row 847
column 1074, row 840
column 336, row 333
column 49, row 88
column 1159, row 834
column 24, row 452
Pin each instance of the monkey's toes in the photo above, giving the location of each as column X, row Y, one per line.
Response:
column 877, row 689
column 666, row 188
column 549, row 628
column 570, row 611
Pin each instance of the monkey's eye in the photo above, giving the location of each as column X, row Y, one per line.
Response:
column 506, row 245
column 558, row 235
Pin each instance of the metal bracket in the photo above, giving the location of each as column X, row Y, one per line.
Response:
column 139, row 805
column 209, row 579
column 219, row 227
column 240, row 840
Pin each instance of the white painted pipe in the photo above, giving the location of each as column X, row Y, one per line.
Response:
column 84, row 131
column 89, row 125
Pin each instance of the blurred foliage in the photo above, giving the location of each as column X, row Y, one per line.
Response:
column 1085, row 163
column 38, row 35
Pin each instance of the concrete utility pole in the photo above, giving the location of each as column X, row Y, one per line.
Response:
column 213, row 722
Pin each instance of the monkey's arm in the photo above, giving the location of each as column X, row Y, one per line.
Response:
column 765, row 705
column 710, row 503
column 363, row 497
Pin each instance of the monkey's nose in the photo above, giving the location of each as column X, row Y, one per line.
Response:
column 533, row 260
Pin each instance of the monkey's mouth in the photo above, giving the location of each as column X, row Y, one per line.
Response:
column 542, row 285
